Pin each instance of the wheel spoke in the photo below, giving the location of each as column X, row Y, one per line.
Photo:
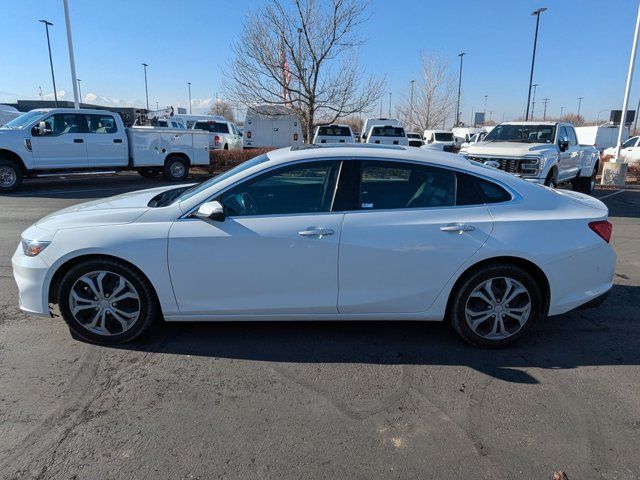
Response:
column 488, row 288
column 121, row 285
column 481, row 296
column 117, row 315
column 475, row 322
column 125, row 296
column 90, row 283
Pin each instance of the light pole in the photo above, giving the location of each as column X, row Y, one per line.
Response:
column 146, row 89
column 79, row 90
column 461, row 55
column 189, row 83
column 47, row 24
column 533, row 103
column 561, row 110
column 533, row 57
column 598, row 116
column 545, row 101
column 72, row 61
column 411, row 106
column 157, row 106
column 579, row 104
column 485, row 105
column 389, row 105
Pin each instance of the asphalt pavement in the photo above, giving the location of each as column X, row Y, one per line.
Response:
column 360, row 400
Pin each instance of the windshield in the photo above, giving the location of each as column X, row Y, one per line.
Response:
column 223, row 176
column 444, row 137
column 387, row 132
column 334, row 131
column 24, row 120
column 522, row 133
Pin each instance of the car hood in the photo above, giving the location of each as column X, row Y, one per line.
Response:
column 510, row 149
column 117, row 210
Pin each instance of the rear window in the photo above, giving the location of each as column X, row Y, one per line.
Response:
column 471, row 190
column 213, row 127
column 387, row 132
column 444, row 137
column 334, row 131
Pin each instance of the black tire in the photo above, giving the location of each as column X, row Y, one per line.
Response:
column 552, row 179
column 148, row 309
column 461, row 298
column 176, row 169
column 585, row 184
column 10, row 176
column 149, row 172
column 226, row 147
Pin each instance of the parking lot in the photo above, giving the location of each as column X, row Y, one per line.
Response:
column 318, row 400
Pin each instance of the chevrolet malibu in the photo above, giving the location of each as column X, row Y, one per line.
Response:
column 323, row 233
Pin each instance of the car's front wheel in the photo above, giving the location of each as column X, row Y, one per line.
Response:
column 495, row 305
column 106, row 301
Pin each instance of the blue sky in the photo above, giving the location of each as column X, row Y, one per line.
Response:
column 583, row 49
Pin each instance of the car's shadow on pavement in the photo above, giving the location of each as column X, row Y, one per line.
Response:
column 608, row 335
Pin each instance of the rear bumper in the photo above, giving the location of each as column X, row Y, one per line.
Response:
column 580, row 279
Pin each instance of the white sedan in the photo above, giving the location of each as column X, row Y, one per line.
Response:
column 323, row 233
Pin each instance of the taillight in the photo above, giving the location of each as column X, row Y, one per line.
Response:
column 603, row 228
column 249, row 134
column 216, row 140
column 295, row 137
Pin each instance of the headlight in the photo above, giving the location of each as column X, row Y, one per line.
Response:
column 31, row 248
column 531, row 165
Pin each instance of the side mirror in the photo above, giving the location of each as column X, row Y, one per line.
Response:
column 564, row 144
column 211, row 211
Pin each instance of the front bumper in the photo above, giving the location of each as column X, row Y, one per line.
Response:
column 31, row 275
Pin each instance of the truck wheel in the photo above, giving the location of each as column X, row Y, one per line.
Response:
column 149, row 172
column 10, row 176
column 176, row 169
column 551, row 180
column 585, row 184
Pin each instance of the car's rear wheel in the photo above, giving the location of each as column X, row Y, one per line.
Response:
column 586, row 184
column 10, row 176
column 106, row 302
column 495, row 305
column 176, row 169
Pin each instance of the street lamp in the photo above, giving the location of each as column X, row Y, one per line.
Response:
column 485, row 105
column 461, row 55
column 411, row 106
column 561, row 110
column 579, row 104
column 189, row 83
column 79, row 90
column 72, row 61
column 146, row 89
column 48, row 24
column 389, row 105
column 533, row 57
column 545, row 101
column 533, row 103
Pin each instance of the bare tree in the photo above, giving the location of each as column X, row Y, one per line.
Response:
column 433, row 97
column 224, row 108
column 303, row 54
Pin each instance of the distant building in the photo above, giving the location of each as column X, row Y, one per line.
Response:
column 128, row 114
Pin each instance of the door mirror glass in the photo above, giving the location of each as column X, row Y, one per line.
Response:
column 564, row 144
column 211, row 211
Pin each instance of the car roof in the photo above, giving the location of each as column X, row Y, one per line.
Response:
column 533, row 123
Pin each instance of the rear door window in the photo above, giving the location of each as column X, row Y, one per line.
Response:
column 472, row 190
column 102, row 124
column 391, row 185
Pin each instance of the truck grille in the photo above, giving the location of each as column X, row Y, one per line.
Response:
column 511, row 165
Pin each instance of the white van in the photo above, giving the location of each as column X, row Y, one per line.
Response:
column 333, row 134
column 601, row 136
column 271, row 126
column 370, row 122
column 440, row 137
column 387, row 135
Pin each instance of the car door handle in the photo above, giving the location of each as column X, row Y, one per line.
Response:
column 458, row 227
column 316, row 232
column 117, row 140
column 78, row 140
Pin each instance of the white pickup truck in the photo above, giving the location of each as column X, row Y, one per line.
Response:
column 541, row 152
column 63, row 140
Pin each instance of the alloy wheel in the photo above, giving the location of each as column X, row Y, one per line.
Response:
column 104, row 303
column 498, row 308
